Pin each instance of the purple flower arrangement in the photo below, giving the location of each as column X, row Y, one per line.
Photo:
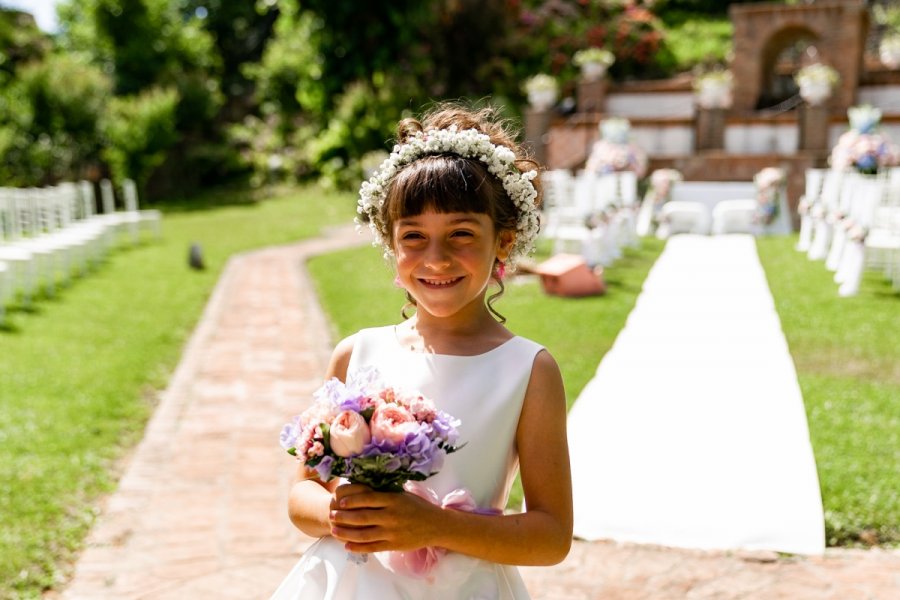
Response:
column 371, row 433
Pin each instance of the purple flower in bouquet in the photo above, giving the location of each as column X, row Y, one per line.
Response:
column 371, row 433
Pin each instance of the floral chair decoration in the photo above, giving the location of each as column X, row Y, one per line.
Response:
column 614, row 151
column 659, row 192
column 770, row 186
column 863, row 147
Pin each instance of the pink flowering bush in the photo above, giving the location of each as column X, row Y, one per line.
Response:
column 370, row 433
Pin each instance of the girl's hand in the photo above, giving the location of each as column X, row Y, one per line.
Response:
column 370, row 521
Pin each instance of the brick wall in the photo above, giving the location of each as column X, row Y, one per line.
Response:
column 761, row 30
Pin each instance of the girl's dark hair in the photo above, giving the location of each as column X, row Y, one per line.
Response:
column 448, row 183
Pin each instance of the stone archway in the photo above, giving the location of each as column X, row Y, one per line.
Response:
column 783, row 54
column 762, row 30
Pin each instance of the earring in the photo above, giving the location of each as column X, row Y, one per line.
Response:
column 397, row 282
column 501, row 269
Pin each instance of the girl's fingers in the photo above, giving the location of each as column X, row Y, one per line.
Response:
column 358, row 535
column 364, row 498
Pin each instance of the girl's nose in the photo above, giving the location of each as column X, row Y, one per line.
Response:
column 437, row 256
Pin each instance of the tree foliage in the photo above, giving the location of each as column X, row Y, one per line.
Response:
column 292, row 88
column 139, row 129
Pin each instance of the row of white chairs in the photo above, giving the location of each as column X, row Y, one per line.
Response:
column 852, row 223
column 49, row 235
column 590, row 214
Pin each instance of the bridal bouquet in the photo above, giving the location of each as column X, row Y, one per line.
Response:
column 371, row 433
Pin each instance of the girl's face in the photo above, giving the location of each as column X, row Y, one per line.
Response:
column 445, row 260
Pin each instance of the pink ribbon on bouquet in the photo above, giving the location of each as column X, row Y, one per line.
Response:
column 422, row 561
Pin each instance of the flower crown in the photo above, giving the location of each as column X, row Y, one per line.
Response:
column 469, row 143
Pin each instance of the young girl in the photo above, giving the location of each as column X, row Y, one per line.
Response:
column 454, row 206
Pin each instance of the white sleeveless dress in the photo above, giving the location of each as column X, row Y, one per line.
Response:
column 485, row 392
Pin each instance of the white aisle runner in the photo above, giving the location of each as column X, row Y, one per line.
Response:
column 692, row 432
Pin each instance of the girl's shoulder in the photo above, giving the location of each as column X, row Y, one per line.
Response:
column 363, row 340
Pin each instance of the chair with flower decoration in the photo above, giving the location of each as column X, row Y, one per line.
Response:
column 870, row 195
column 851, row 187
column 821, row 213
column 814, row 178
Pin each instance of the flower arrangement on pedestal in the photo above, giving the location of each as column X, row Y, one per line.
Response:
column 542, row 91
column 816, row 82
column 889, row 50
column 770, row 184
column 862, row 147
column 713, row 89
column 593, row 62
column 614, row 152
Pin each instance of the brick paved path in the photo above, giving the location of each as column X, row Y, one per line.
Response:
column 200, row 510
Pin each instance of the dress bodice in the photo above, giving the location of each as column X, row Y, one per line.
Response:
column 484, row 391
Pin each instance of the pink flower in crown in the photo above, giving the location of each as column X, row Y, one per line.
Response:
column 392, row 422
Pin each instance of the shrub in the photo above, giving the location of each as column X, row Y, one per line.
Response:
column 139, row 130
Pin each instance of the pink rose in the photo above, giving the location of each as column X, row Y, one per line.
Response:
column 349, row 433
column 391, row 422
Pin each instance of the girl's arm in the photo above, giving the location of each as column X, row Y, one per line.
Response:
column 310, row 499
column 371, row 521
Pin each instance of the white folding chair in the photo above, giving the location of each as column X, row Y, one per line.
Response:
column 682, row 216
column 559, row 199
column 735, row 216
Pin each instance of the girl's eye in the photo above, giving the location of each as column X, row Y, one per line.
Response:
column 411, row 235
column 462, row 233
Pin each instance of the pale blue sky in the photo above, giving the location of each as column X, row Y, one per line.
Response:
column 44, row 11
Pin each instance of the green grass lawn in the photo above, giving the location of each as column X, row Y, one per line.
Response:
column 847, row 355
column 79, row 373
